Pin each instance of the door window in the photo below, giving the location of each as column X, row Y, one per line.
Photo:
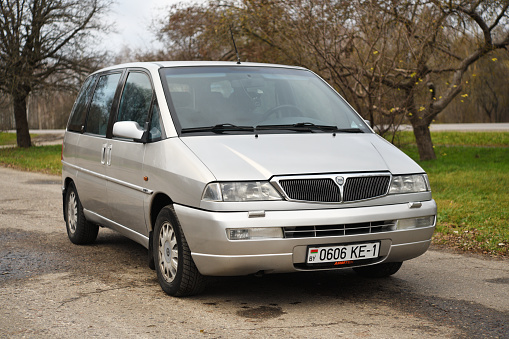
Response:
column 100, row 108
column 79, row 110
column 136, row 99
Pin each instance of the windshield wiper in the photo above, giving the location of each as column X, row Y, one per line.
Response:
column 309, row 127
column 349, row 130
column 218, row 128
column 298, row 127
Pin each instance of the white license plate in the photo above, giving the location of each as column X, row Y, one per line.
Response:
column 330, row 254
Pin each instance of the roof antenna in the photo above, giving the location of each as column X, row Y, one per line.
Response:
column 235, row 46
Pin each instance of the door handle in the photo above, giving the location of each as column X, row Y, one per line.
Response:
column 103, row 154
column 108, row 161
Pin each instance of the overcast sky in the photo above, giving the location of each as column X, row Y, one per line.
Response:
column 132, row 19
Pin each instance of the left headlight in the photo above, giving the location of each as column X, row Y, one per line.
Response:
column 409, row 184
column 240, row 191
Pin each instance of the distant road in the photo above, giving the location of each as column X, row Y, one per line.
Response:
column 55, row 136
column 497, row 127
column 491, row 127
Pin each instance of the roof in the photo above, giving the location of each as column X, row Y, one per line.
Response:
column 154, row 65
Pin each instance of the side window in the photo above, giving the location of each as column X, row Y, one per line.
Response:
column 79, row 111
column 136, row 99
column 100, row 108
column 156, row 125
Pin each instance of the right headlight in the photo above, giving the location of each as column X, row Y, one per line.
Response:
column 412, row 183
column 240, row 191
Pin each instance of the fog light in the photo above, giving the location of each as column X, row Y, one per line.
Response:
column 254, row 233
column 404, row 224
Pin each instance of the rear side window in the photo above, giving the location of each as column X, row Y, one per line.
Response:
column 79, row 111
column 100, row 108
column 136, row 99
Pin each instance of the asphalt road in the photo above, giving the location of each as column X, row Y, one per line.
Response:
column 52, row 288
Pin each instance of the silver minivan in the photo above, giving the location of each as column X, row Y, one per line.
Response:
column 223, row 169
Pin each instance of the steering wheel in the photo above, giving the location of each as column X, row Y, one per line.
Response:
column 282, row 108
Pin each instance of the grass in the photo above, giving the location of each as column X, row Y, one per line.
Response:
column 469, row 180
column 481, row 139
column 45, row 159
column 7, row 138
column 10, row 138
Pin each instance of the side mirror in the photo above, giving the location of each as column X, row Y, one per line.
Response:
column 128, row 130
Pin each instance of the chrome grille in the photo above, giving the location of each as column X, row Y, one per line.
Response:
column 360, row 188
column 319, row 231
column 323, row 190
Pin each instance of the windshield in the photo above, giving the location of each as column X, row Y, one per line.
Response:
column 233, row 99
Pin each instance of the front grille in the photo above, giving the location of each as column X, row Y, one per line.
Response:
column 360, row 188
column 322, row 189
column 320, row 231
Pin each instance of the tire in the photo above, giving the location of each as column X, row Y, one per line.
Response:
column 176, row 271
column 79, row 230
column 378, row 270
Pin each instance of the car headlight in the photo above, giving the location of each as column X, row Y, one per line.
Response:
column 409, row 184
column 240, row 191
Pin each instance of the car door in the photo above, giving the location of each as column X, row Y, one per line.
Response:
column 126, row 187
column 92, row 147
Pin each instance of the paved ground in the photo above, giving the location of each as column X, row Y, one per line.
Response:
column 51, row 288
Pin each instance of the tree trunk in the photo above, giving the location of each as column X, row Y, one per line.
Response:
column 424, row 143
column 20, row 115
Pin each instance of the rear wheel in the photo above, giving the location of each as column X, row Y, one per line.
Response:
column 378, row 270
column 79, row 230
column 176, row 271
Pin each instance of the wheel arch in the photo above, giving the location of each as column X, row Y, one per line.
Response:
column 67, row 182
column 159, row 201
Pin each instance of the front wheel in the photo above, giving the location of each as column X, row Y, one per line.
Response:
column 379, row 270
column 176, row 271
column 79, row 230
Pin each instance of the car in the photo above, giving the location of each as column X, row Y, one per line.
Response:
column 224, row 169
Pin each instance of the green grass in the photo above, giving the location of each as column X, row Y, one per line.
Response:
column 486, row 139
column 7, row 138
column 10, row 138
column 45, row 159
column 470, row 185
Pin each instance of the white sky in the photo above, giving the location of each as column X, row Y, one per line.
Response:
column 131, row 19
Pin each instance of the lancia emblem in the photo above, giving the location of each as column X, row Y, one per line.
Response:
column 340, row 181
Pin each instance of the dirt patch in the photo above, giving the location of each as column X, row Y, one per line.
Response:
column 47, row 139
column 262, row 312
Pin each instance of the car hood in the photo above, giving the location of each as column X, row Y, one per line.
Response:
column 250, row 157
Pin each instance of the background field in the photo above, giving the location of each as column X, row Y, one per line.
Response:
column 469, row 180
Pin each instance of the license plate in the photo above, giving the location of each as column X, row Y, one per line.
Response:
column 330, row 254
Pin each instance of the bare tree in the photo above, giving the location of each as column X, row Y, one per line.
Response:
column 43, row 45
column 393, row 59
column 431, row 70
column 397, row 60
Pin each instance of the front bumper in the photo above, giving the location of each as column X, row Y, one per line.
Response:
column 215, row 255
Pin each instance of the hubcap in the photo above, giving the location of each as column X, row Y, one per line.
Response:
column 72, row 212
column 168, row 252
